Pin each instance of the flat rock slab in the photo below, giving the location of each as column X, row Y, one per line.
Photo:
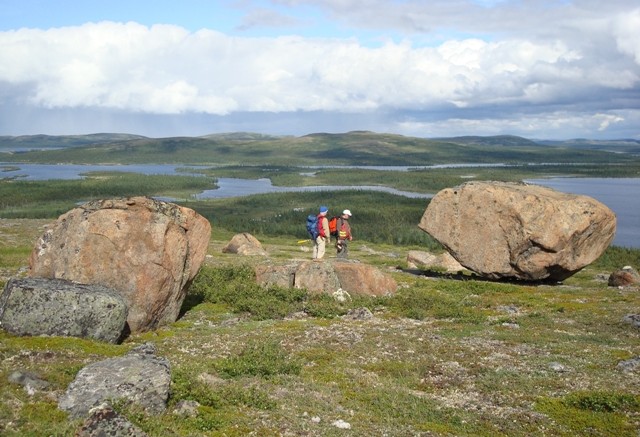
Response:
column 38, row 306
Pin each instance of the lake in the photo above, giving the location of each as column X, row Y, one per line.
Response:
column 619, row 194
column 43, row 172
column 233, row 187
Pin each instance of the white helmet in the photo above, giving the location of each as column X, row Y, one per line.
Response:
column 346, row 212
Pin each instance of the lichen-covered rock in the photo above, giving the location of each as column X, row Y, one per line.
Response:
column 512, row 230
column 140, row 378
column 146, row 249
column 38, row 306
column 104, row 421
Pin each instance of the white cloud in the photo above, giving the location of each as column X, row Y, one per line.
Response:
column 568, row 64
column 166, row 69
column 559, row 124
column 626, row 29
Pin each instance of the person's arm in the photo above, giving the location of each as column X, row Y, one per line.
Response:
column 325, row 227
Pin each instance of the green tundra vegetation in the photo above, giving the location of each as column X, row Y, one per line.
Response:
column 448, row 354
column 353, row 148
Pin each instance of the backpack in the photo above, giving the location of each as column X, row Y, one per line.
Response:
column 312, row 226
column 333, row 225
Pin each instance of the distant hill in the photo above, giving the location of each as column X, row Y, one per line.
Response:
column 244, row 148
column 241, row 136
column 54, row 141
column 621, row 146
column 496, row 140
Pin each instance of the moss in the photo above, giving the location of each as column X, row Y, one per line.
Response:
column 590, row 414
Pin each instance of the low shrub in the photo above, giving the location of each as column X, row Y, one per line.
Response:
column 265, row 358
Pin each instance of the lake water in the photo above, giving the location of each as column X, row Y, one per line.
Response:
column 43, row 172
column 232, row 187
column 622, row 195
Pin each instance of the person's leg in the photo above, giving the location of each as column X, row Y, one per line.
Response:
column 341, row 247
column 321, row 247
column 315, row 248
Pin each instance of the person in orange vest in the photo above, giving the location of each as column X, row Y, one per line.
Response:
column 344, row 234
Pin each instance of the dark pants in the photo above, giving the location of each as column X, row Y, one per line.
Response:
column 342, row 251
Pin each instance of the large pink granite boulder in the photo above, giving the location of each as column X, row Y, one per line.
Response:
column 516, row 230
column 146, row 249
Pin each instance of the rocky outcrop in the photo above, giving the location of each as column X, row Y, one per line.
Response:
column 512, row 230
column 148, row 250
column 624, row 277
column 425, row 260
column 244, row 244
column 327, row 277
column 37, row 306
column 140, row 378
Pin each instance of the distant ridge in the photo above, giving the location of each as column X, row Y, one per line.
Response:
column 241, row 136
column 46, row 141
column 350, row 148
column 494, row 140
column 626, row 145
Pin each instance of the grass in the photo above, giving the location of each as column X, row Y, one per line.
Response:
column 447, row 355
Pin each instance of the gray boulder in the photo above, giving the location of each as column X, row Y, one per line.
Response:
column 140, row 378
column 521, row 231
column 38, row 306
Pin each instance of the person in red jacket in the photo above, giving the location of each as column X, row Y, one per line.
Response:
column 320, row 242
column 344, row 234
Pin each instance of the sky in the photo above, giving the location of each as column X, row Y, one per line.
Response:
column 541, row 69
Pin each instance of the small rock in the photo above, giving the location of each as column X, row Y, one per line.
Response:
column 509, row 309
column 624, row 277
column 633, row 319
column 359, row 314
column 29, row 380
column 557, row 367
column 186, row 408
column 630, row 365
column 104, row 421
column 341, row 424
